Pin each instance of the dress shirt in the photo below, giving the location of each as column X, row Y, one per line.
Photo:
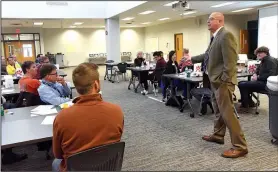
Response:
column 54, row 93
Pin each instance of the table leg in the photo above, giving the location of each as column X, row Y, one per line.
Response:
column 249, row 78
column 106, row 72
column 173, row 94
column 111, row 73
column 131, row 81
column 139, row 77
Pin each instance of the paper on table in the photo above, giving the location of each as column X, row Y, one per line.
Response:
column 7, row 90
column 48, row 120
column 32, row 115
column 44, row 110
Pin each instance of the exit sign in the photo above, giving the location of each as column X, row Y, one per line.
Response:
column 17, row 30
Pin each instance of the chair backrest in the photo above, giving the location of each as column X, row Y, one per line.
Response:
column 122, row 67
column 110, row 61
column 158, row 74
column 103, row 158
column 30, row 100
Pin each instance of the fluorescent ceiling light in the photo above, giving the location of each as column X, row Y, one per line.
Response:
column 147, row 12
column 223, row 4
column 78, row 23
column 164, row 19
column 146, row 23
column 128, row 18
column 171, row 3
column 245, row 9
column 72, row 26
column 190, row 12
column 38, row 23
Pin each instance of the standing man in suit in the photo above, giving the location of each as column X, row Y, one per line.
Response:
column 220, row 61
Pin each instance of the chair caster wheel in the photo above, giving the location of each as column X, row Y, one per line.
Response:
column 257, row 113
column 192, row 115
column 235, row 99
column 128, row 88
column 181, row 110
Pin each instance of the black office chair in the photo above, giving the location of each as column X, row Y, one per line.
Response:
column 103, row 158
column 108, row 68
column 121, row 71
column 157, row 78
column 26, row 99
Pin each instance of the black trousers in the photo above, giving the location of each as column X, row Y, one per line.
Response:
column 144, row 77
column 246, row 88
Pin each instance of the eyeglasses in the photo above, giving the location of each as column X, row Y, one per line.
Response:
column 47, row 62
column 211, row 19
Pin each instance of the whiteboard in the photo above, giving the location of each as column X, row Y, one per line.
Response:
column 151, row 44
column 268, row 28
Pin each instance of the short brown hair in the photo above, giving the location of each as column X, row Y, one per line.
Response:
column 83, row 77
column 43, row 58
column 186, row 50
column 47, row 69
column 262, row 49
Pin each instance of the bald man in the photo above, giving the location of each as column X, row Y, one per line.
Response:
column 220, row 61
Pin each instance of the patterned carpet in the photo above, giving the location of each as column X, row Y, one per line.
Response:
column 161, row 138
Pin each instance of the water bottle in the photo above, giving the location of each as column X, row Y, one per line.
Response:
column 24, row 103
column 2, row 110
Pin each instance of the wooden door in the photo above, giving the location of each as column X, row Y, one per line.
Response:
column 179, row 46
column 243, row 41
column 24, row 50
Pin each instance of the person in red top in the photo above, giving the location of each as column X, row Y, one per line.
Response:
column 183, row 63
column 159, row 68
column 27, row 83
column 43, row 60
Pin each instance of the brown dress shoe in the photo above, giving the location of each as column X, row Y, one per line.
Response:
column 213, row 139
column 234, row 153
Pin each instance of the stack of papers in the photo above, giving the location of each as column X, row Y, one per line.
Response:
column 43, row 110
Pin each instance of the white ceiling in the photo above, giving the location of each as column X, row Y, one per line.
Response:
column 202, row 8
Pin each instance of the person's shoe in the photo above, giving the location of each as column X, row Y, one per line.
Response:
column 13, row 157
column 234, row 153
column 252, row 104
column 163, row 99
column 212, row 138
column 145, row 92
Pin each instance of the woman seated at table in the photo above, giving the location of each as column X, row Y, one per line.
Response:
column 183, row 63
column 28, row 83
column 12, row 67
column 172, row 67
column 139, row 59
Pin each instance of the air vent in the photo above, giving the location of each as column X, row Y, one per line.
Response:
column 129, row 23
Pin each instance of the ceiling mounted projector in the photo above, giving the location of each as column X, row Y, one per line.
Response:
column 181, row 6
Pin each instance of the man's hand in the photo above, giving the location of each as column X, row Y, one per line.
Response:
column 254, row 77
column 61, row 80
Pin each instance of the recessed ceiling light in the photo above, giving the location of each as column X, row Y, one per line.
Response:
column 38, row 23
column 223, row 4
column 146, row 23
column 147, row 12
column 78, row 23
column 128, row 18
column 245, row 9
column 72, row 26
column 171, row 3
column 164, row 19
column 187, row 13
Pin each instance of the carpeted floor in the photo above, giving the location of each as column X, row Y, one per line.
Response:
column 161, row 138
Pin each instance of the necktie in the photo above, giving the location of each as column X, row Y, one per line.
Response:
column 205, row 63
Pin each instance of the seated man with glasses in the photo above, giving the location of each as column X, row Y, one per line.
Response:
column 53, row 89
column 43, row 60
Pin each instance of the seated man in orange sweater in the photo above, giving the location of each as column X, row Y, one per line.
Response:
column 27, row 83
column 89, row 123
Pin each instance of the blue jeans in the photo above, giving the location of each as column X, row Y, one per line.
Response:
column 56, row 165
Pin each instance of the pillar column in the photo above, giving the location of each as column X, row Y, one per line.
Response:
column 112, row 33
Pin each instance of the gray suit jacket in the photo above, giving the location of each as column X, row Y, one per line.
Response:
column 222, row 58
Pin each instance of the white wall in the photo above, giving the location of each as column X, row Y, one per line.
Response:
column 195, row 33
column 77, row 44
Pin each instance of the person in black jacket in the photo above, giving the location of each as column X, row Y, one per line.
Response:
column 268, row 67
column 139, row 59
column 172, row 67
